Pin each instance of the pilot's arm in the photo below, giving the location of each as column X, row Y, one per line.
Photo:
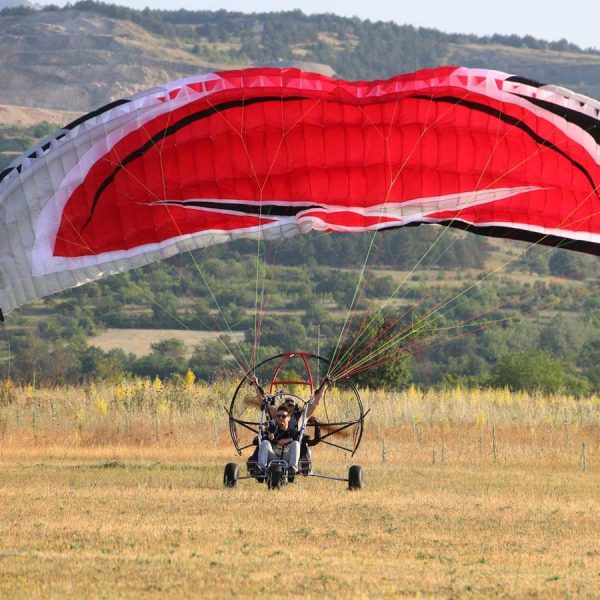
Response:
column 260, row 393
column 318, row 395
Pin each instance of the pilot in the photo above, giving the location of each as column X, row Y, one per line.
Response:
column 285, row 432
column 280, row 442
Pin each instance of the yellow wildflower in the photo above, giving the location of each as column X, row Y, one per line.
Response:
column 190, row 378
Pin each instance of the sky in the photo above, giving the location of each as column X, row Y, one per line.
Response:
column 578, row 21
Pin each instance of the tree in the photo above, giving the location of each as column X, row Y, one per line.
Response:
column 111, row 366
column 172, row 347
column 564, row 336
column 166, row 360
column 535, row 372
column 373, row 350
column 287, row 334
column 564, row 263
column 164, row 309
column 207, row 361
column 39, row 360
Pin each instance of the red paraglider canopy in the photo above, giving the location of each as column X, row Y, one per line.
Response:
column 272, row 153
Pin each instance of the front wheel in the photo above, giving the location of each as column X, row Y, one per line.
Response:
column 275, row 479
column 355, row 477
column 230, row 476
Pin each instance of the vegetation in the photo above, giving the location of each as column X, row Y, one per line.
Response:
column 14, row 140
column 354, row 48
column 470, row 331
column 467, row 494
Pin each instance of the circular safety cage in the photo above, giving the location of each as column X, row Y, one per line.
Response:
column 338, row 421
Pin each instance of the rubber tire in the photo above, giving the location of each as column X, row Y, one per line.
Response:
column 230, row 476
column 355, row 477
column 274, row 479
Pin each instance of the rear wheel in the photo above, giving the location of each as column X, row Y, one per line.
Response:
column 355, row 477
column 230, row 476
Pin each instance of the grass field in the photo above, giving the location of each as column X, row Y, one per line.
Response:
column 139, row 341
column 117, row 492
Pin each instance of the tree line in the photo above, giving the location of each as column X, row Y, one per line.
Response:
column 460, row 326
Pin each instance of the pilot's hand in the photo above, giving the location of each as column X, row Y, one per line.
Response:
column 325, row 383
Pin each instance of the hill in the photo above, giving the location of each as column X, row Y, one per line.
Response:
column 71, row 60
column 84, row 56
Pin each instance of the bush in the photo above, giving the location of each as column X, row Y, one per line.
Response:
column 534, row 372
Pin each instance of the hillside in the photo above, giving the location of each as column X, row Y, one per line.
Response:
column 65, row 62
column 80, row 58
column 575, row 70
column 75, row 61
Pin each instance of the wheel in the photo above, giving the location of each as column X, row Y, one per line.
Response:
column 304, row 467
column 274, row 479
column 355, row 477
column 255, row 471
column 230, row 476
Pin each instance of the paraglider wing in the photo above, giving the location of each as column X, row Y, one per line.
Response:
column 274, row 153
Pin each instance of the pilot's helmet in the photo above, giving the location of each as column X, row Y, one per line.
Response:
column 290, row 404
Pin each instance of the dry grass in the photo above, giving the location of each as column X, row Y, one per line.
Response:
column 139, row 341
column 116, row 492
column 26, row 116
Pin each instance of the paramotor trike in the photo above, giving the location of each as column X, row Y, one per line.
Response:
column 292, row 378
